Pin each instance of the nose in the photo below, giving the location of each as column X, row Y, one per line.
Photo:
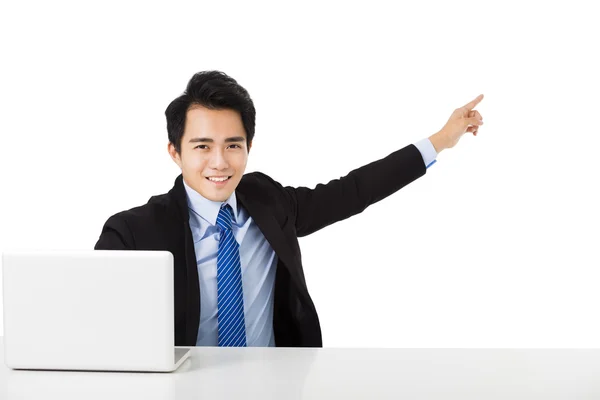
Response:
column 218, row 161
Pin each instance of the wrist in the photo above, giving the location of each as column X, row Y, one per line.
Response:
column 437, row 142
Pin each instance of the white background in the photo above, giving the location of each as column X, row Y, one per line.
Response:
column 496, row 246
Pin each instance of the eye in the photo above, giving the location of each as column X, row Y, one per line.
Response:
column 203, row 146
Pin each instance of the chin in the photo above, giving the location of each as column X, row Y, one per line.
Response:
column 216, row 195
column 220, row 197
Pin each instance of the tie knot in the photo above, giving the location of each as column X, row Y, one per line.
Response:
column 225, row 216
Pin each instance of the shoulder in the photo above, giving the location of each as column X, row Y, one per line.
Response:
column 152, row 226
column 158, row 209
column 259, row 180
column 262, row 187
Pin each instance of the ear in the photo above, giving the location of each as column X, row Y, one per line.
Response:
column 174, row 155
column 249, row 146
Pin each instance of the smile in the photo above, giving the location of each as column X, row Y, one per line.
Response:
column 219, row 180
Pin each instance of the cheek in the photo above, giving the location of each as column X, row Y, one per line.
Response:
column 194, row 163
column 240, row 162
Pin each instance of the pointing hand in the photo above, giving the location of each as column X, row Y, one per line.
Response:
column 463, row 119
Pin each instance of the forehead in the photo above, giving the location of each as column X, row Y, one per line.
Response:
column 213, row 123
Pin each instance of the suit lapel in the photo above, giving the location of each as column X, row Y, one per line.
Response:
column 192, row 286
column 268, row 225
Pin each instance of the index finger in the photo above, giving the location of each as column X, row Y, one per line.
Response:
column 472, row 104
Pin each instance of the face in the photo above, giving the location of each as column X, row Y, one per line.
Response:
column 213, row 146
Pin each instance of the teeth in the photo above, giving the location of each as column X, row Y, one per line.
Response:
column 218, row 179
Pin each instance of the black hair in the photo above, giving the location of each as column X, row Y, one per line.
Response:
column 214, row 90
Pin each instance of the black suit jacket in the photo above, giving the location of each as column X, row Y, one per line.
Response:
column 283, row 214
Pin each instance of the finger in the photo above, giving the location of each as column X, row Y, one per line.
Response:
column 475, row 114
column 473, row 130
column 474, row 122
column 472, row 104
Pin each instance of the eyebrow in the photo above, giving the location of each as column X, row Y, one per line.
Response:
column 209, row 140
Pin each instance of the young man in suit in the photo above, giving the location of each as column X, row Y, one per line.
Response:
column 239, row 279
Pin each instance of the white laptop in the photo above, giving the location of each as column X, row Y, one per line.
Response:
column 99, row 310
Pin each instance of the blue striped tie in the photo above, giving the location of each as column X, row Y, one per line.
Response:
column 230, row 296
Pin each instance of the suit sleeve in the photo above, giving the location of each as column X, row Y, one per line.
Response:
column 115, row 235
column 341, row 198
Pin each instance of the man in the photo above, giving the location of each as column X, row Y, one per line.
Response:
column 239, row 279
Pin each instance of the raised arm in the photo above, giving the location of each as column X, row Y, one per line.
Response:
column 344, row 197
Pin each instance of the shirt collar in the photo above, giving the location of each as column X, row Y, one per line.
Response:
column 208, row 209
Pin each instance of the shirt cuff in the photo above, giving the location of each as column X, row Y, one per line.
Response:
column 427, row 152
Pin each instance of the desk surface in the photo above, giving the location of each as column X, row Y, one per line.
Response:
column 286, row 373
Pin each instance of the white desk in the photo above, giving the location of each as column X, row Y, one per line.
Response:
column 285, row 373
